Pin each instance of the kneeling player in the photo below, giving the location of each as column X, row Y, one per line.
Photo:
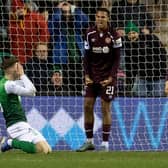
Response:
column 22, row 136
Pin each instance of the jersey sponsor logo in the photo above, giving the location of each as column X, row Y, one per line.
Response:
column 100, row 50
column 108, row 40
column 97, row 49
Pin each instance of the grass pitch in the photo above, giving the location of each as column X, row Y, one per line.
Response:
column 66, row 159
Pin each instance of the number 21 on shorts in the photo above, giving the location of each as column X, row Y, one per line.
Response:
column 110, row 90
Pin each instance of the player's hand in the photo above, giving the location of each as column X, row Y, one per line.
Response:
column 88, row 81
column 20, row 69
column 166, row 88
column 106, row 82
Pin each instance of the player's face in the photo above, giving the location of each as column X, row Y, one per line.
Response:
column 102, row 20
column 133, row 36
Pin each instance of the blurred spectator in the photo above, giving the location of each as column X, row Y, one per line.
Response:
column 40, row 70
column 43, row 7
column 131, row 10
column 145, row 60
column 26, row 29
column 31, row 6
column 107, row 4
column 57, row 87
column 4, row 16
column 66, row 27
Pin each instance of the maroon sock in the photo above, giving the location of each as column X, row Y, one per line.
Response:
column 89, row 130
column 106, row 131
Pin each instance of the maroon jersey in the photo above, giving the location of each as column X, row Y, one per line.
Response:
column 102, row 54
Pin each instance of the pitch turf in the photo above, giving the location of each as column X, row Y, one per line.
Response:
column 65, row 159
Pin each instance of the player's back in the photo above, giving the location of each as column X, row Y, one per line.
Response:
column 10, row 103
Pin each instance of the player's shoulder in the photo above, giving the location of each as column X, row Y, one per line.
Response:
column 115, row 34
column 91, row 30
column 116, row 38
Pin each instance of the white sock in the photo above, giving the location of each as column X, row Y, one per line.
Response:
column 105, row 143
column 90, row 140
column 9, row 142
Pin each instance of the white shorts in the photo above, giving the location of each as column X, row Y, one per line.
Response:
column 24, row 132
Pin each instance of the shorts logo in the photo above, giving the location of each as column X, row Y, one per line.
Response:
column 108, row 40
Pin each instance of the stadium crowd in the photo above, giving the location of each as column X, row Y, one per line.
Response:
column 48, row 39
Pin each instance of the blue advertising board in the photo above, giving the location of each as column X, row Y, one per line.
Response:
column 137, row 123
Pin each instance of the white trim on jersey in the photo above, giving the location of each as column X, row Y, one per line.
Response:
column 22, row 87
column 116, row 43
column 86, row 43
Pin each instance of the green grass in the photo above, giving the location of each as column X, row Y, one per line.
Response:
column 85, row 160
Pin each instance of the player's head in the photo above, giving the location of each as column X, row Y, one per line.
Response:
column 102, row 18
column 132, row 31
column 10, row 66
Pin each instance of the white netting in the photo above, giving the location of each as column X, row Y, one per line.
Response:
column 53, row 32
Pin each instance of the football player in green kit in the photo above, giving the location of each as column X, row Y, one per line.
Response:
column 21, row 135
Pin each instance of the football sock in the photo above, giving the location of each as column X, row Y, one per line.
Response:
column 89, row 130
column 9, row 142
column 23, row 145
column 106, row 132
column 90, row 140
column 105, row 143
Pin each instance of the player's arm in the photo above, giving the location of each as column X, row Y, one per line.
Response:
column 86, row 62
column 25, row 88
column 21, row 87
column 117, row 44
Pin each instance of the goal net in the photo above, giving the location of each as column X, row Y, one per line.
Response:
column 47, row 36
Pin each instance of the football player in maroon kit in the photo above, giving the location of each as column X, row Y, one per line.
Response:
column 101, row 61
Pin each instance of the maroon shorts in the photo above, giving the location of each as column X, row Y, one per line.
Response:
column 107, row 93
